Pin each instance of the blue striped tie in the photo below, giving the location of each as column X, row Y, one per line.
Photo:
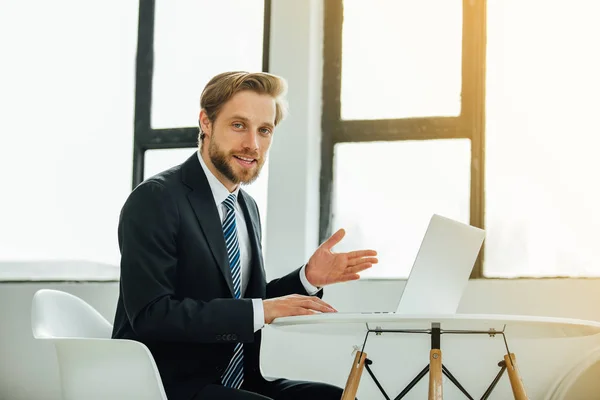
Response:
column 234, row 374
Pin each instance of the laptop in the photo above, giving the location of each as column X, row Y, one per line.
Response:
column 440, row 272
column 442, row 267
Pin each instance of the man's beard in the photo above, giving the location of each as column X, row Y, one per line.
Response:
column 220, row 161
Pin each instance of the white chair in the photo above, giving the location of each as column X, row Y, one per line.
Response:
column 566, row 386
column 93, row 366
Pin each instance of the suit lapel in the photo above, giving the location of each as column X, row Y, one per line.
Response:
column 202, row 201
column 256, row 283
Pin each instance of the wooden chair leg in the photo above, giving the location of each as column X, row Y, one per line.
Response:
column 435, row 375
column 354, row 378
column 515, row 380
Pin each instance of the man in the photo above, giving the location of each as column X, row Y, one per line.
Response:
column 193, row 286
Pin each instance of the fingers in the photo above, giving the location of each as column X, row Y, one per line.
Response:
column 324, row 303
column 334, row 239
column 301, row 311
column 310, row 302
column 358, row 268
column 319, row 305
column 349, row 277
column 361, row 253
column 357, row 261
column 313, row 303
column 294, row 304
column 300, row 297
column 318, row 300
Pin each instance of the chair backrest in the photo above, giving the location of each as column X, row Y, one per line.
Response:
column 56, row 314
column 92, row 365
column 579, row 380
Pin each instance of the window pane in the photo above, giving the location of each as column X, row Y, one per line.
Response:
column 156, row 161
column 386, row 192
column 159, row 160
column 542, row 139
column 67, row 132
column 195, row 40
column 401, row 58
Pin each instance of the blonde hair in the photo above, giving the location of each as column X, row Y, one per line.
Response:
column 224, row 86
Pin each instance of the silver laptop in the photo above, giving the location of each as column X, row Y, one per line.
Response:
column 442, row 268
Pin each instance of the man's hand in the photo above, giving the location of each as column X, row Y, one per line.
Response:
column 294, row 304
column 326, row 267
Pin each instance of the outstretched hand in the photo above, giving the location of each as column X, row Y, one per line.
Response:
column 326, row 267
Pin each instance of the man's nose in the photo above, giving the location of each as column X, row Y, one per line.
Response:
column 251, row 140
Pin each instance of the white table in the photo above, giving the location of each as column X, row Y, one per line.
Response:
column 513, row 326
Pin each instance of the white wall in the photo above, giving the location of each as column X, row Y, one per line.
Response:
column 294, row 165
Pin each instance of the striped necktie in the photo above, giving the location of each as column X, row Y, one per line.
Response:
column 234, row 374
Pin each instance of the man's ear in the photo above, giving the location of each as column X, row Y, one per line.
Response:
column 205, row 123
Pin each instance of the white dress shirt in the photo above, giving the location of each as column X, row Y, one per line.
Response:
column 220, row 193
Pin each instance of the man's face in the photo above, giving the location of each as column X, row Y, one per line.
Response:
column 238, row 140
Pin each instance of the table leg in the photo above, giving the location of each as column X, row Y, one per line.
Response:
column 515, row 380
column 354, row 378
column 435, row 375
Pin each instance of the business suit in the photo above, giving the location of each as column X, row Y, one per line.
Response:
column 176, row 292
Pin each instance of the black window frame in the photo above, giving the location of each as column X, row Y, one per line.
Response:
column 470, row 124
column 144, row 136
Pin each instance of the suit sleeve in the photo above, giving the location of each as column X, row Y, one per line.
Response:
column 148, row 242
column 288, row 284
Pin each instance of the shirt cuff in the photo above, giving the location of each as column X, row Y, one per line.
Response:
column 259, row 314
column 310, row 289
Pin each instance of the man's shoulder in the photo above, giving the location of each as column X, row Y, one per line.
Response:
column 167, row 178
column 161, row 187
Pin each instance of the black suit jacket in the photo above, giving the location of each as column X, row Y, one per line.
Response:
column 176, row 291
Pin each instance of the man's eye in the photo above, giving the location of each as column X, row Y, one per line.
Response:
column 266, row 131
column 238, row 125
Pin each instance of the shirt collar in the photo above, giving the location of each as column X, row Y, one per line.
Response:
column 219, row 191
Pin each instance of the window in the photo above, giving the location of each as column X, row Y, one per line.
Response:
column 403, row 127
column 180, row 47
column 384, row 201
column 392, row 69
column 159, row 160
column 66, row 128
column 542, row 191
column 195, row 40
column 540, row 100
